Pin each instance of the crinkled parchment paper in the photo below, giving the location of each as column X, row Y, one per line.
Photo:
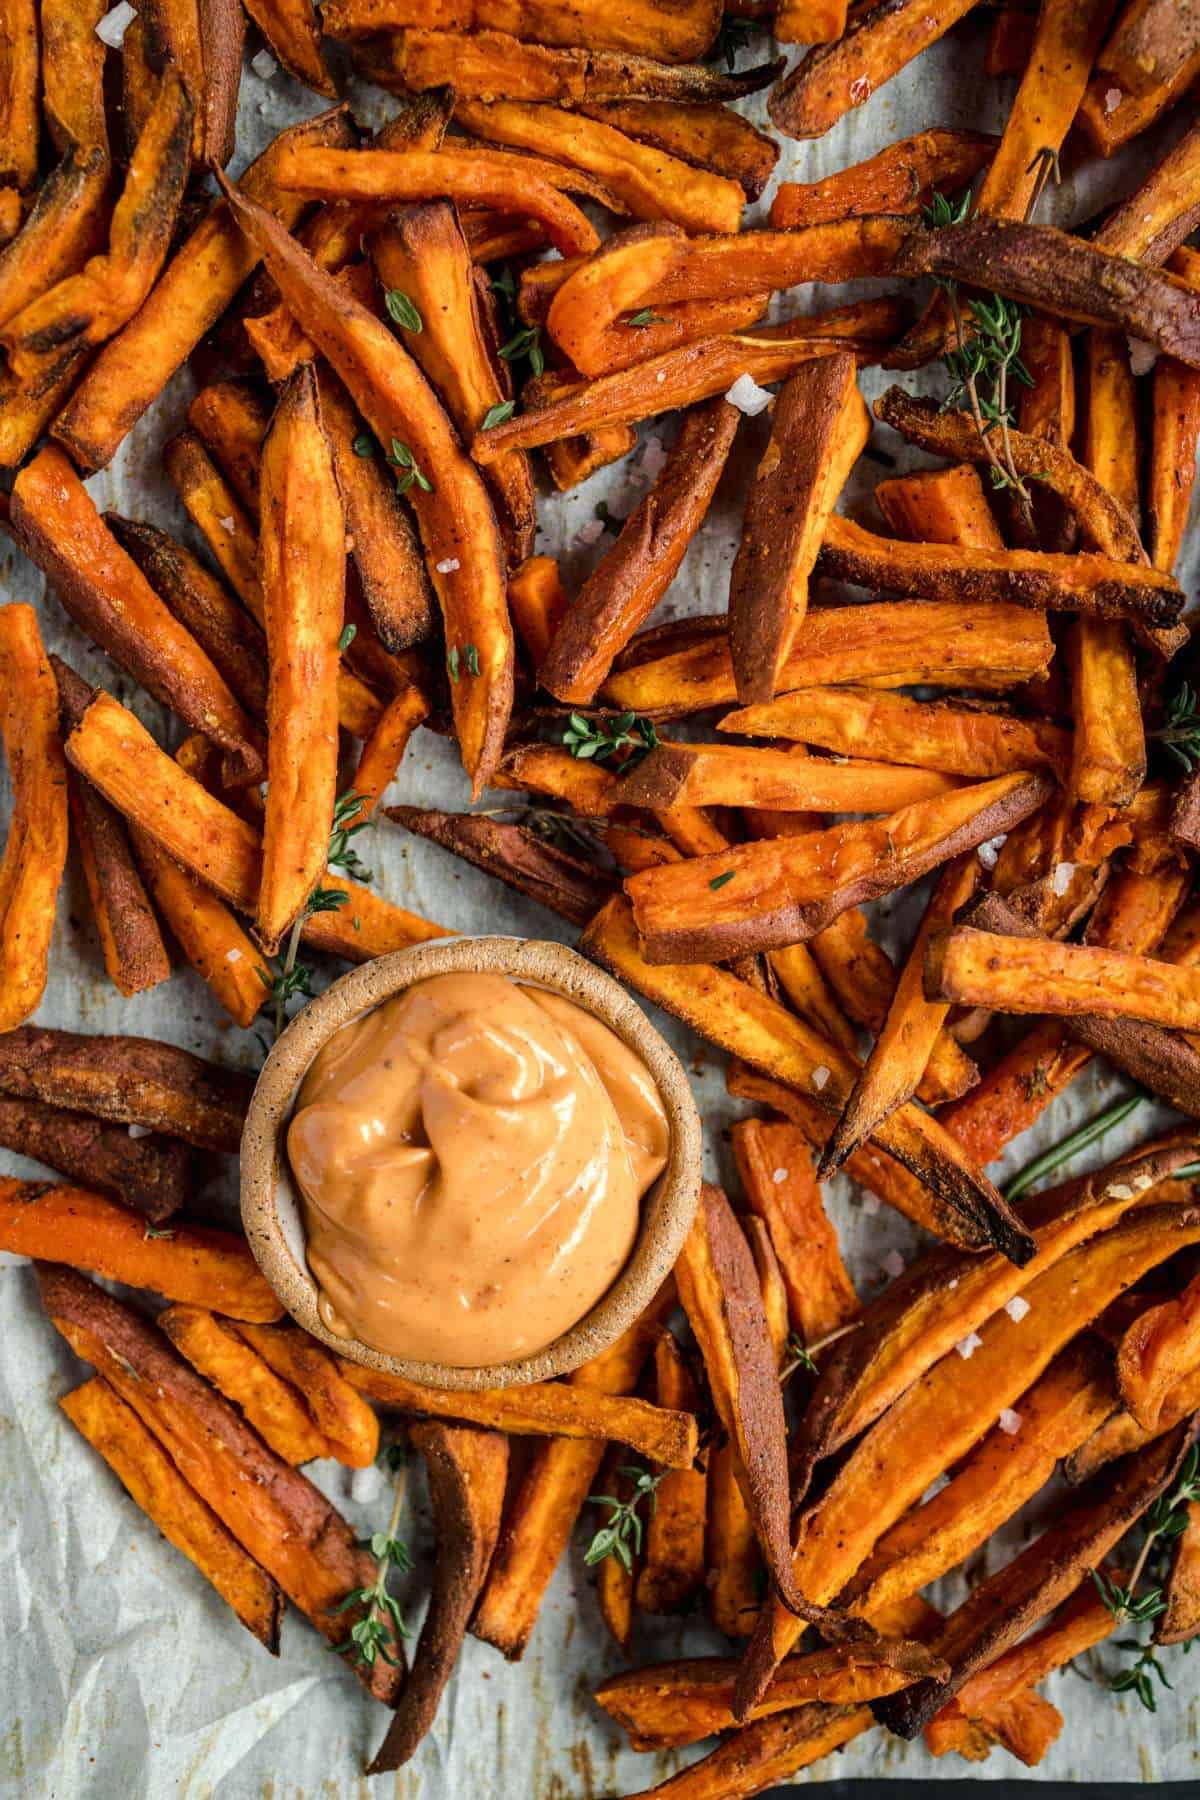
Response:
column 121, row 1672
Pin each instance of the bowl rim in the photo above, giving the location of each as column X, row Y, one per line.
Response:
column 667, row 1209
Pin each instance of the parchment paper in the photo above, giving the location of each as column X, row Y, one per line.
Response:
column 121, row 1672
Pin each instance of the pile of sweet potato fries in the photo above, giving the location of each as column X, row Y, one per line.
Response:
column 380, row 331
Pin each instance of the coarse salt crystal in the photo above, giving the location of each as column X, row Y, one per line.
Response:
column 1112, row 99
column 1142, row 357
column 448, row 565
column 861, row 89
column 227, row 523
column 1060, row 880
column 989, row 852
column 113, row 26
column 967, row 1346
column 138, row 1131
column 366, row 1485
column 870, row 1204
column 820, row 1076
column 589, row 531
column 1016, row 1308
column 233, row 956
column 1120, row 1190
column 952, row 1284
column 779, row 1177
column 893, row 1262
column 263, row 64
column 747, row 396
column 1009, row 1421
column 661, row 375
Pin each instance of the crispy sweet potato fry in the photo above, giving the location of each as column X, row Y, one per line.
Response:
column 538, row 603
column 750, row 1025
column 342, row 1415
column 1110, row 115
column 1149, row 44
column 768, row 1751
column 231, row 420
column 1158, row 1349
column 148, row 1174
column 734, row 775
column 67, row 223
column 517, row 856
column 819, row 426
column 187, row 300
column 1175, row 430
column 678, row 33
column 383, row 751
column 712, row 137
column 1034, row 975
column 35, row 849
column 270, row 1405
column 130, row 940
column 57, row 525
column 466, row 1471
column 1000, row 1610
column 672, row 1565
column 881, row 40
column 543, row 1409
column 73, row 73
column 1156, row 219
column 19, row 115
column 899, row 179
column 455, row 518
column 783, row 890
column 62, row 1223
column 492, row 65
column 1182, row 1617
column 302, row 562
column 206, row 931
column 293, row 30
column 285, row 1523
column 1121, row 1434
column 147, row 1472
column 821, row 1296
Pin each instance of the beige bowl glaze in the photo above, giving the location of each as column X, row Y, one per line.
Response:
column 271, row 1210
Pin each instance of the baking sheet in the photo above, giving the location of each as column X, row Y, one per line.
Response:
column 121, row 1672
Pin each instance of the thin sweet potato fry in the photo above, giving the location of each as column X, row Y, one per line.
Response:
column 785, row 780
column 231, row 420
column 293, row 30
column 339, row 1413
column 148, row 1174
column 130, row 940
column 681, row 32
column 543, row 1409
column 147, row 1472
column 627, row 584
column 19, row 115
column 764, row 1753
column 1182, row 1593
column 517, row 856
column 58, row 527
column 1149, row 44
column 189, row 297
column 616, row 1577
column 73, row 73
column 1175, row 430
column 971, row 967
column 270, row 1405
column 775, row 1165
column 1121, row 1434
column 493, row 65
column 672, row 1565
column 62, row 1223
column 66, row 224
column 1158, row 1349
column 383, row 751
column 711, row 137
column 784, row 890
column 832, row 78
column 899, row 179
column 1156, row 219
column 538, row 603
column 455, row 517
column 209, row 935
column 285, row 1523
column 35, row 849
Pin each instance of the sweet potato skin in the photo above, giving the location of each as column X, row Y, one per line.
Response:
column 134, row 953
column 515, row 855
column 150, row 1174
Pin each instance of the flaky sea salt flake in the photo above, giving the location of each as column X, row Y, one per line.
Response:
column 967, row 1346
column 820, row 1076
column 747, row 396
column 1016, row 1308
column 113, row 26
column 1009, row 1421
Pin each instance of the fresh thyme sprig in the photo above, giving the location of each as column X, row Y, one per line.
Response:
column 378, row 1632
column 622, row 1536
column 291, row 977
column 620, row 739
column 525, row 342
column 1165, row 1521
column 1049, row 169
column 576, row 836
column 733, row 36
column 800, row 1355
column 402, row 458
column 1067, row 1147
column 1179, row 734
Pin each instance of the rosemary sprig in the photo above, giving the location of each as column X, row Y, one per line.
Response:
column 622, row 1535
column 1067, row 1147
column 1179, row 734
column 378, row 1632
column 291, row 977
column 1164, row 1522
column 620, row 739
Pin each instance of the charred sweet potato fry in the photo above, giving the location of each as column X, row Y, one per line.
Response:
column 1121, row 1434
column 517, row 856
column 455, row 518
column 74, row 1225
column 206, row 931
column 881, row 40
column 768, row 1751
column 899, row 179
column 146, row 1471
column 293, row 30
column 632, row 578
column 1158, row 1349
column 270, row 1405
column 492, row 65
column 819, row 426
column 35, row 849
column 712, row 137
column 781, row 890
column 189, row 297
column 58, row 527
column 285, row 1523
column 543, row 1409
column 889, row 645
column 302, row 562
column 672, row 1564
column 148, row 1174
column 73, row 73
column 775, row 1165
column 786, row 780
column 130, row 940
column 66, row 224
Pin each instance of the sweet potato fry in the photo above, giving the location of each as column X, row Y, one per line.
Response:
column 148, row 1174
column 187, row 300
column 616, row 1577
column 66, row 224
column 281, row 1519
column 538, row 603
column 1121, row 1434
column 206, row 931
column 899, row 179
column 832, row 78
column 57, row 525
column 231, row 420
column 543, row 1409
column 632, row 578
column 776, row 1170
column 940, row 506
column 810, row 21
column 711, row 137
column 517, row 856
column 455, row 518
column 35, row 849
column 1034, row 975
column 1158, row 1349
column 293, row 30
column 1110, row 115
column 270, row 1405
column 19, row 115
column 130, row 940
column 734, row 775
column 783, row 890
column 339, row 1413
column 61, row 1223
column 768, row 1751
column 302, row 563
column 422, row 255
column 1000, row 1610
column 819, row 426
column 147, row 1472
column 1182, row 1593
column 893, row 644
column 750, row 1025
column 73, row 73
column 492, row 65
column 1155, row 220
column 1175, row 431
column 672, row 1565
column 680, row 34
column 383, row 751
column 1149, row 44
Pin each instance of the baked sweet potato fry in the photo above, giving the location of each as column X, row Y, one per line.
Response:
column 1034, row 975
column 383, row 752
column 130, row 940
column 784, row 890
column 775, row 1165
column 20, row 119
column 616, row 1576
column 898, row 179
column 768, row 1751
column 1157, row 1350
column 712, row 137
column 517, row 856
column 231, row 418
column 542, row 1409
column 148, row 1174
column 65, row 225
column 492, row 65
column 672, row 1563
column 62, row 1223
column 680, row 33
column 209, row 935
column 627, row 584
column 1175, row 430
column 786, row 780
column 819, row 426
column 146, row 1471
column 340, row 1413
column 1121, row 1434
column 1156, row 219
column 293, row 30
column 832, row 78
column 280, row 1518
column 889, row 645
column 455, row 518
column 73, row 73
column 1179, row 1622
column 35, row 849
column 538, row 603
column 270, row 1405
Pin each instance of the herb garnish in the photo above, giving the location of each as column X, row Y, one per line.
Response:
column 1164, row 1522
column 363, row 445
column 718, row 881
column 624, row 736
column 382, row 1625
column 465, row 661
column 733, row 36
column 347, row 637
column 499, row 414
column 525, row 342
column 1179, row 734
column 157, row 1231
column 563, row 831
column 401, row 309
column 622, row 1536
column 647, row 316
column 291, row 976
column 798, row 1357
column 402, row 458
column 1062, row 1152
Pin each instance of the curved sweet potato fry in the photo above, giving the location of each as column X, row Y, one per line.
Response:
column 768, row 1751
column 66, row 223
column 35, row 849
column 1182, row 1618
column 1159, row 1348
column 898, row 179
column 712, row 137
